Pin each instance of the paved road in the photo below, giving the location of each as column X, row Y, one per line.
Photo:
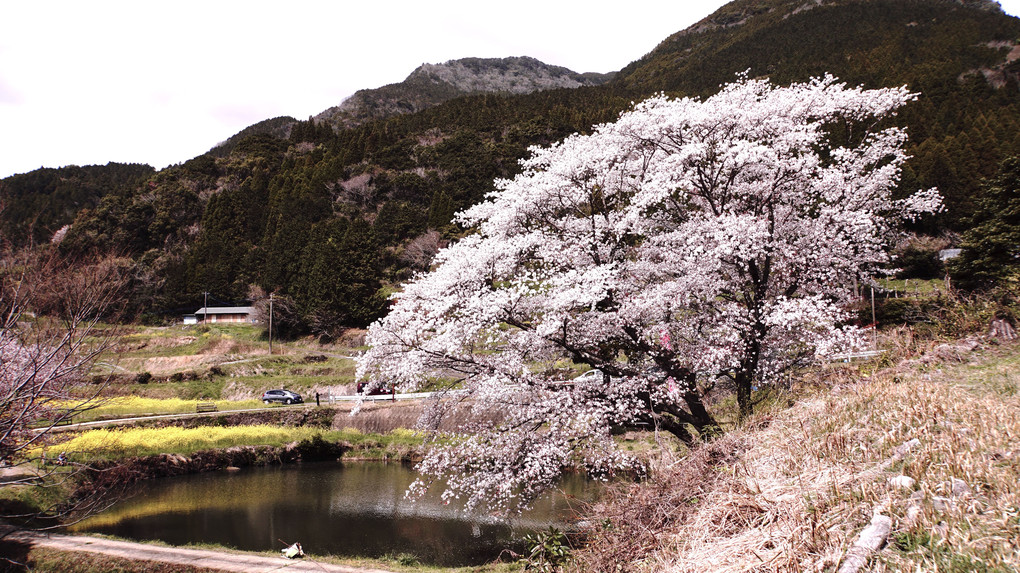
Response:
column 326, row 401
column 223, row 560
column 119, row 421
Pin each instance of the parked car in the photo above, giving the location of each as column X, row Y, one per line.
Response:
column 377, row 391
column 284, row 396
column 594, row 375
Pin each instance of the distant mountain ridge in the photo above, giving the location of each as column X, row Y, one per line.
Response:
column 739, row 12
column 789, row 40
column 432, row 84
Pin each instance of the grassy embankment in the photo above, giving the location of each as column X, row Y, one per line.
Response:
column 137, row 406
column 914, row 287
column 791, row 489
column 40, row 559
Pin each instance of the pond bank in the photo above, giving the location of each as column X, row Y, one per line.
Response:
column 114, row 475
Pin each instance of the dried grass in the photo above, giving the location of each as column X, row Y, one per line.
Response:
column 791, row 496
column 633, row 516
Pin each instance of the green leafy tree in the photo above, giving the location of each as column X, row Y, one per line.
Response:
column 399, row 220
column 38, row 203
column 440, row 211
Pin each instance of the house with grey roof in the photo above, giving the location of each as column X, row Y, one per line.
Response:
column 217, row 314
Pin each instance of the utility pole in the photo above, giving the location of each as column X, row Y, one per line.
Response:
column 874, row 321
column 270, row 323
column 205, row 307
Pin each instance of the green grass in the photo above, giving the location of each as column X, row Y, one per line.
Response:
column 398, row 444
column 939, row 556
column 292, row 372
column 917, row 287
column 47, row 560
column 34, row 498
column 184, row 340
column 218, row 361
column 237, row 340
column 1000, row 377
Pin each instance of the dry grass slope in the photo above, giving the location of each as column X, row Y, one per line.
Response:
column 791, row 491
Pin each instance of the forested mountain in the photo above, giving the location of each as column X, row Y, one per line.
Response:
column 278, row 127
column 34, row 205
column 961, row 56
column 332, row 218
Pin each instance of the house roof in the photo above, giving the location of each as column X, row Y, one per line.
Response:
column 224, row 310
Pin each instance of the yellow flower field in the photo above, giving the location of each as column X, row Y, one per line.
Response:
column 112, row 443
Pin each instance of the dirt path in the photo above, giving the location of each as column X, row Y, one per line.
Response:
column 226, row 561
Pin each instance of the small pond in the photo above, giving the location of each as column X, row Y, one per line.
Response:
column 353, row 509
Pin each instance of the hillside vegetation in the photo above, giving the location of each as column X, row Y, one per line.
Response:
column 929, row 443
column 39, row 203
column 331, row 220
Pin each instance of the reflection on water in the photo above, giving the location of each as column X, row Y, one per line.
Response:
column 353, row 509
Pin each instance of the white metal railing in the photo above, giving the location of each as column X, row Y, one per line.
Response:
column 330, row 398
column 847, row 357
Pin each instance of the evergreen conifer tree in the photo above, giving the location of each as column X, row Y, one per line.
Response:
column 991, row 248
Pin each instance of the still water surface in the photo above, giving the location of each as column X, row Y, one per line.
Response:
column 355, row 509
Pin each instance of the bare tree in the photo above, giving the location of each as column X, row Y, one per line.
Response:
column 418, row 253
column 50, row 338
column 286, row 317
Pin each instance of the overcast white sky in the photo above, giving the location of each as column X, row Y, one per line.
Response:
column 160, row 82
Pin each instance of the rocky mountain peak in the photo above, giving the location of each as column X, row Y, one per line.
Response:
column 517, row 75
column 432, row 84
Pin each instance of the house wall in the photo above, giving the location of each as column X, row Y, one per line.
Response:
column 228, row 318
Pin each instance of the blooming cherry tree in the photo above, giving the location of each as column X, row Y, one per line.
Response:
column 689, row 243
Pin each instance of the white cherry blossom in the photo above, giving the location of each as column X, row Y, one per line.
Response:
column 689, row 244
